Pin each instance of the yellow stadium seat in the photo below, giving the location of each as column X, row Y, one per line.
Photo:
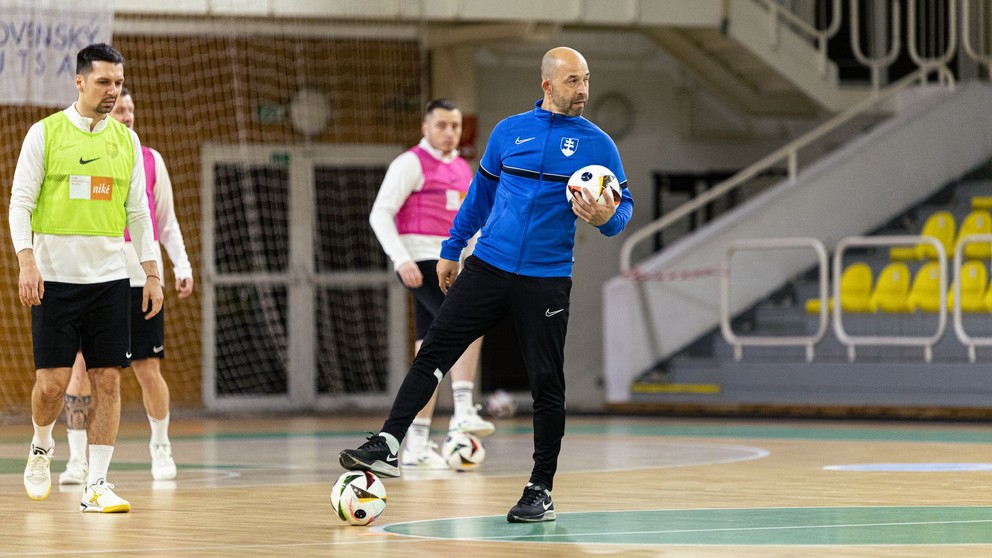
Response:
column 988, row 299
column 974, row 280
column 979, row 221
column 940, row 226
column 891, row 289
column 855, row 291
column 981, row 202
column 925, row 294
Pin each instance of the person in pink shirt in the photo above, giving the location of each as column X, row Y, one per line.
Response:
column 412, row 214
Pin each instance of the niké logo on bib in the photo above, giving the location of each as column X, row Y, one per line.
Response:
column 102, row 188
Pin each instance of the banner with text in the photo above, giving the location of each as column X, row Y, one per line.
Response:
column 38, row 47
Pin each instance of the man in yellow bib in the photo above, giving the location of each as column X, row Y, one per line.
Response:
column 78, row 183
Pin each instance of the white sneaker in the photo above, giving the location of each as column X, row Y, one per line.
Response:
column 471, row 423
column 427, row 460
column 38, row 473
column 75, row 472
column 163, row 467
column 99, row 497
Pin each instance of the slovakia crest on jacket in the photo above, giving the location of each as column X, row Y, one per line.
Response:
column 569, row 146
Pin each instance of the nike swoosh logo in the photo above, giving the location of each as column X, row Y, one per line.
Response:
column 128, row 354
column 86, row 161
column 391, row 460
column 549, row 313
column 158, row 349
column 519, row 141
column 546, row 505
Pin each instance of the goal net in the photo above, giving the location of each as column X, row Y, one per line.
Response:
column 276, row 134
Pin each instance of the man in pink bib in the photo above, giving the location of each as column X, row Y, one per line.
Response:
column 412, row 214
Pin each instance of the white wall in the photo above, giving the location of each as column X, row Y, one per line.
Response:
column 508, row 82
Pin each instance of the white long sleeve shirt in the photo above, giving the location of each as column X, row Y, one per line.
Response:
column 403, row 177
column 169, row 234
column 77, row 259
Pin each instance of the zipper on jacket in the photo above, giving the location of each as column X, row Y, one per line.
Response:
column 540, row 184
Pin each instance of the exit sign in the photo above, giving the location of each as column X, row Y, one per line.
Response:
column 269, row 113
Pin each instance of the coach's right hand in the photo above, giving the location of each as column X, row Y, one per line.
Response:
column 30, row 284
column 447, row 270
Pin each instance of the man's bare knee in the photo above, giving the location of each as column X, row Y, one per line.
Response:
column 50, row 384
column 146, row 371
column 105, row 380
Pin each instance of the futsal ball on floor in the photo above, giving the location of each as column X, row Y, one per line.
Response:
column 463, row 452
column 358, row 497
column 596, row 180
column 501, row 405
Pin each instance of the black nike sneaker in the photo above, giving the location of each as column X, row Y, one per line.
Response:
column 374, row 455
column 535, row 505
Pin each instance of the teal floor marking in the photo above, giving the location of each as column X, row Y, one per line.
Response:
column 655, row 427
column 740, row 526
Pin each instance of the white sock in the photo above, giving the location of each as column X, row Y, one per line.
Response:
column 99, row 462
column 418, row 434
column 160, row 429
column 43, row 435
column 462, row 393
column 391, row 441
column 77, row 444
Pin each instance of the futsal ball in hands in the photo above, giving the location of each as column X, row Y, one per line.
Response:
column 358, row 497
column 501, row 405
column 463, row 452
column 597, row 180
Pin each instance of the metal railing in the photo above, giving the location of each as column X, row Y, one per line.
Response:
column 740, row 341
column 962, row 335
column 931, row 33
column 777, row 13
column 876, row 63
column 853, row 341
column 980, row 55
column 926, row 342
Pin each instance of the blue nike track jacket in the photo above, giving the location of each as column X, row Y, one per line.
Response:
column 518, row 196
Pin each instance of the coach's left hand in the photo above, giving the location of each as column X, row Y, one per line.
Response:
column 591, row 212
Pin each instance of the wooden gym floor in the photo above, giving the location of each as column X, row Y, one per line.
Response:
column 625, row 487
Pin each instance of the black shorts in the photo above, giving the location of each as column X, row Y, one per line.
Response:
column 427, row 297
column 147, row 336
column 93, row 318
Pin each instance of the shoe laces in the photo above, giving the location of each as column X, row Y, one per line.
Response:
column 375, row 443
column 39, row 460
column 533, row 495
column 101, row 486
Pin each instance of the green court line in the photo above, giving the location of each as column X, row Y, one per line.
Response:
column 873, row 433
column 740, row 526
column 662, row 428
column 9, row 466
